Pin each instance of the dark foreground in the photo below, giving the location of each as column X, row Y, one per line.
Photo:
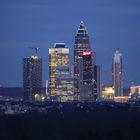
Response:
column 100, row 124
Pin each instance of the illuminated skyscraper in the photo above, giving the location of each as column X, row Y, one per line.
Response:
column 81, row 44
column 117, row 77
column 32, row 78
column 58, row 56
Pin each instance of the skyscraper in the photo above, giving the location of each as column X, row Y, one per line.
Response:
column 117, row 75
column 32, row 78
column 81, row 44
column 58, row 56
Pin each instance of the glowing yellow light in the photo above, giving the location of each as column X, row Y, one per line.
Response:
column 34, row 57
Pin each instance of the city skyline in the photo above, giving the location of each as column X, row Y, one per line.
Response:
column 110, row 24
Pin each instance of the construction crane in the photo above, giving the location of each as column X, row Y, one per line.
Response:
column 36, row 49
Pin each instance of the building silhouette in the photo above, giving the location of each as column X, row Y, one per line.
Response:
column 117, row 74
column 32, row 78
column 58, row 56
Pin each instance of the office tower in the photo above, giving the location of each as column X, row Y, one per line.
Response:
column 81, row 44
column 32, row 78
column 64, row 83
column 58, row 56
column 117, row 79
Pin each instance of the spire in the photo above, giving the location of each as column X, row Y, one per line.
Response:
column 82, row 28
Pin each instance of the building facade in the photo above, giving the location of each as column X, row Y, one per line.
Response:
column 86, row 77
column 87, row 70
column 58, row 56
column 32, row 78
column 64, row 83
column 117, row 74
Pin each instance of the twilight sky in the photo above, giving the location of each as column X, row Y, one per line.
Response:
column 111, row 24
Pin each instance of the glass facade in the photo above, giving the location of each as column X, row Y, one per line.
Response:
column 64, row 83
column 58, row 56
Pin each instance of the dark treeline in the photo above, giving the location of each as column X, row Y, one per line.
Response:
column 100, row 124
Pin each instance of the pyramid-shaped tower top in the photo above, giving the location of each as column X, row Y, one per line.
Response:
column 82, row 28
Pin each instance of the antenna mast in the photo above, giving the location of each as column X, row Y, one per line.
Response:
column 36, row 49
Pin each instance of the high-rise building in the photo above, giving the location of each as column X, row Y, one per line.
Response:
column 58, row 56
column 32, row 78
column 81, row 44
column 64, row 83
column 117, row 75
